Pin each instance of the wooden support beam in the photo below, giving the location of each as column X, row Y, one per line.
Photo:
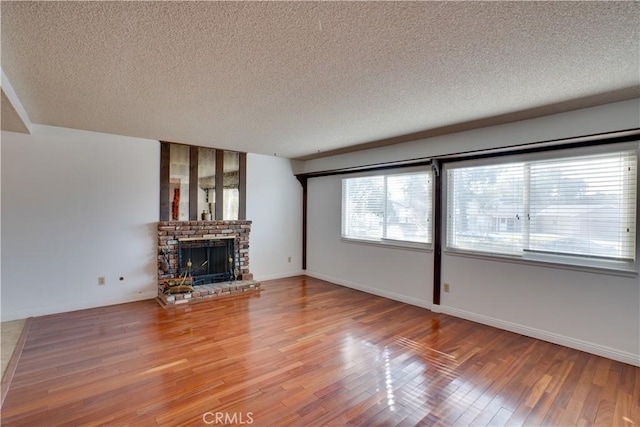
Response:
column 242, row 186
column 165, row 158
column 303, row 181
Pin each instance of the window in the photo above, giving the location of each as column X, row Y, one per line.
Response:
column 388, row 208
column 574, row 209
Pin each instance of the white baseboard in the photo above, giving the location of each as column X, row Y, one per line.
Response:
column 374, row 291
column 266, row 277
column 8, row 314
column 588, row 347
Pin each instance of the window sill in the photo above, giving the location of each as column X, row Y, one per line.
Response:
column 603, row 267
column 394, row 244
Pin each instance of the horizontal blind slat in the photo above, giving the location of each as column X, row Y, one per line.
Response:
column 579, row 205
column 403, row 212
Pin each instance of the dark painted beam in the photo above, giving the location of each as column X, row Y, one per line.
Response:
column 165, row 204
column 303, row 182
column 242, row 186
column 437, row 231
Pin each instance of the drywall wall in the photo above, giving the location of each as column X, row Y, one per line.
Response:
column 401, row 274
column 76, row 206
column 82, row 205
column 588, row 121
column 598, row 313
column 274, row 205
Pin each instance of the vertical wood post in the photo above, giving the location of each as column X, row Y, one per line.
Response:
column 242, row 186
column 303, row 182
column 437, row 231
column 165, row 205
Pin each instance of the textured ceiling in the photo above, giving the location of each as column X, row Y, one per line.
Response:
column 9, row 117
column 302, row 78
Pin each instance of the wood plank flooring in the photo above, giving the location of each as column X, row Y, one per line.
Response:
column 309, row 353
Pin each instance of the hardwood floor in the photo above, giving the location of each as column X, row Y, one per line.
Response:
column 305, row 352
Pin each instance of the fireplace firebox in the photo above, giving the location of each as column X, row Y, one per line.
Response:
column 207, row 260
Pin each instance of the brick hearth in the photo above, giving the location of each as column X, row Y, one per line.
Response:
column 212, row 290
column 169, row 232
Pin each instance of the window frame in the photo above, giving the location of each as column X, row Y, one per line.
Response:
column 387, row 242
column 564, row 261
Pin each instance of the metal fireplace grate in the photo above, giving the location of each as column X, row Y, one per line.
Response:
column 207, row 260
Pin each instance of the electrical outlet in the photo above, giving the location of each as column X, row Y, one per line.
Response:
column 101, row 281
column 289, row 260
column 446, row 287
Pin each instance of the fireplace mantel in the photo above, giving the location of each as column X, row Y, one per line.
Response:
column 205, row 237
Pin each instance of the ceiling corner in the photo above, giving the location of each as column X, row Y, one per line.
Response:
column 13, row 116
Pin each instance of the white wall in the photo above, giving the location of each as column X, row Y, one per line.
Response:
column 592, row 312
column 78, row 205
column 400, row 274
column 597, row 313
column 274, row 204
column 75, row 206
column 608, row 118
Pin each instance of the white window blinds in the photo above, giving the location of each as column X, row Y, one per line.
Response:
column 388, row 207
column 584, row 206
column 363, row 207
column 579, row 206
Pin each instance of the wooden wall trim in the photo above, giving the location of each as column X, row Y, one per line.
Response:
column 437, row 231
column 303, row 181
column 165, row 205
column 242, row 186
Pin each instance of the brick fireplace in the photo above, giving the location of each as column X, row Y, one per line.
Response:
column 176, row 235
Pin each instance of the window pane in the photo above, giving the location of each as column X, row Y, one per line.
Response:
column 363, row 207
column 584, row 206
column 409, row 207
column 581, row 206
column 485, row 208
